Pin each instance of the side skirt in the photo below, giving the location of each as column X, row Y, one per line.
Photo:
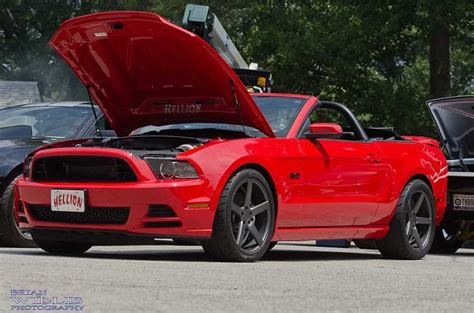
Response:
column 321, row 233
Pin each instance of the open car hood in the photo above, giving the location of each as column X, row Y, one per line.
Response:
column 143, row 70
column 454, row 118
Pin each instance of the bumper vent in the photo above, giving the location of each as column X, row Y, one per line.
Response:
column 82, row 169
column 160, row 210
column 90, row 216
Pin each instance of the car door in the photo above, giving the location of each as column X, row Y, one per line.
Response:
column 342, row 180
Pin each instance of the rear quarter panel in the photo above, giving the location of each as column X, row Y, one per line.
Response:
column 408, row 160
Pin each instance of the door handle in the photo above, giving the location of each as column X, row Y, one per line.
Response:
column 372, row 158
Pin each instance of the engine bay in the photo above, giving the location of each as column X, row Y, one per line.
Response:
column 167, row 146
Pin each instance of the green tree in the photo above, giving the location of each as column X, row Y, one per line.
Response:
column 25, row 29
column 383, row 59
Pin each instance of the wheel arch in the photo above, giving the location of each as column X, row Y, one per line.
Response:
column 423, row 178
column 10, row 176
column 262, row 170
column 397, row 192
column 247, row 165
column 438, row 207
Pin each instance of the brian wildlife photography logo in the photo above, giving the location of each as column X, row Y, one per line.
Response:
column 40, row 300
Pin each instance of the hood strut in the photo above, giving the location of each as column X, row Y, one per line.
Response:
column 97, row 126
column 237, row 104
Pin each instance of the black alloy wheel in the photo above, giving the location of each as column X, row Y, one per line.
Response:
column 419, row 220
column 251, row 216
column 412, row 227
column 244, row 221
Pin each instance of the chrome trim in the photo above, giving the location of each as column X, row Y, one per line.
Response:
column 469, row 161
column 460, row 174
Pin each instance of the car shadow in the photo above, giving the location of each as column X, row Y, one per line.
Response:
column 197, row 255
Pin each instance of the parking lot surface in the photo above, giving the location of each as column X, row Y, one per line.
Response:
column 292, row 277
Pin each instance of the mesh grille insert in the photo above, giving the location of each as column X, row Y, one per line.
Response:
column 90, row 216
column 82, row 169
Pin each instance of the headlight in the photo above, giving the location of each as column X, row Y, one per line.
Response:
column 171, row 168
column 27, row 167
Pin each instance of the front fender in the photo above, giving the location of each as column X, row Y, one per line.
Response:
column 219, row 160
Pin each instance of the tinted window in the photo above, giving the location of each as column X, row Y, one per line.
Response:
column 46, row 122
column 280, row 112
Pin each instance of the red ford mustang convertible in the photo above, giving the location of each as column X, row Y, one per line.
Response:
column 210, row 162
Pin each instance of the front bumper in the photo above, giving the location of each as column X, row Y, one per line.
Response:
column 97, row 237
column 190, row 221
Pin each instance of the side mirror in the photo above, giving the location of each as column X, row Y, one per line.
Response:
column 324, row 130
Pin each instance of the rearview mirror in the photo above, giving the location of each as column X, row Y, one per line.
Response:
column 324, row 130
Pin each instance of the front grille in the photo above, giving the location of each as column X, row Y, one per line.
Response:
column 82, row 169
column 97, row 215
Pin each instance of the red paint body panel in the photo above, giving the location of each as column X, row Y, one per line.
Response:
column 408, row 159
column 341, row 186
column 324, row 189
column 424, row 140
column 338, row 195
column 148, row 71
column 326, row 128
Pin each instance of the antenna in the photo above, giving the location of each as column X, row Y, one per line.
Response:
column 237, row 104
column 97, row 127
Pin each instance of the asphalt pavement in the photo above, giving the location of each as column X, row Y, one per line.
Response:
column 293, row 277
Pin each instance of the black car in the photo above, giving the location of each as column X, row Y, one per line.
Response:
column 23, row 128
column 454, row 118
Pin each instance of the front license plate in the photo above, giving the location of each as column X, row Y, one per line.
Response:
column 68, row 200
column 463, row 202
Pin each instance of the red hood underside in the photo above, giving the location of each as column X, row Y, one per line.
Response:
column 143, row 70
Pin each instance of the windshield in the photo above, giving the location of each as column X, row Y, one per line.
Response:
column 280, row 113
column 45, row 122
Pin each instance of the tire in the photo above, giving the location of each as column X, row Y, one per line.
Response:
column 446, row 238
column 412, row 227
column 272, row 245
column 365, row 244
column 10, row 234
column 62, row 247
column 244, row 220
